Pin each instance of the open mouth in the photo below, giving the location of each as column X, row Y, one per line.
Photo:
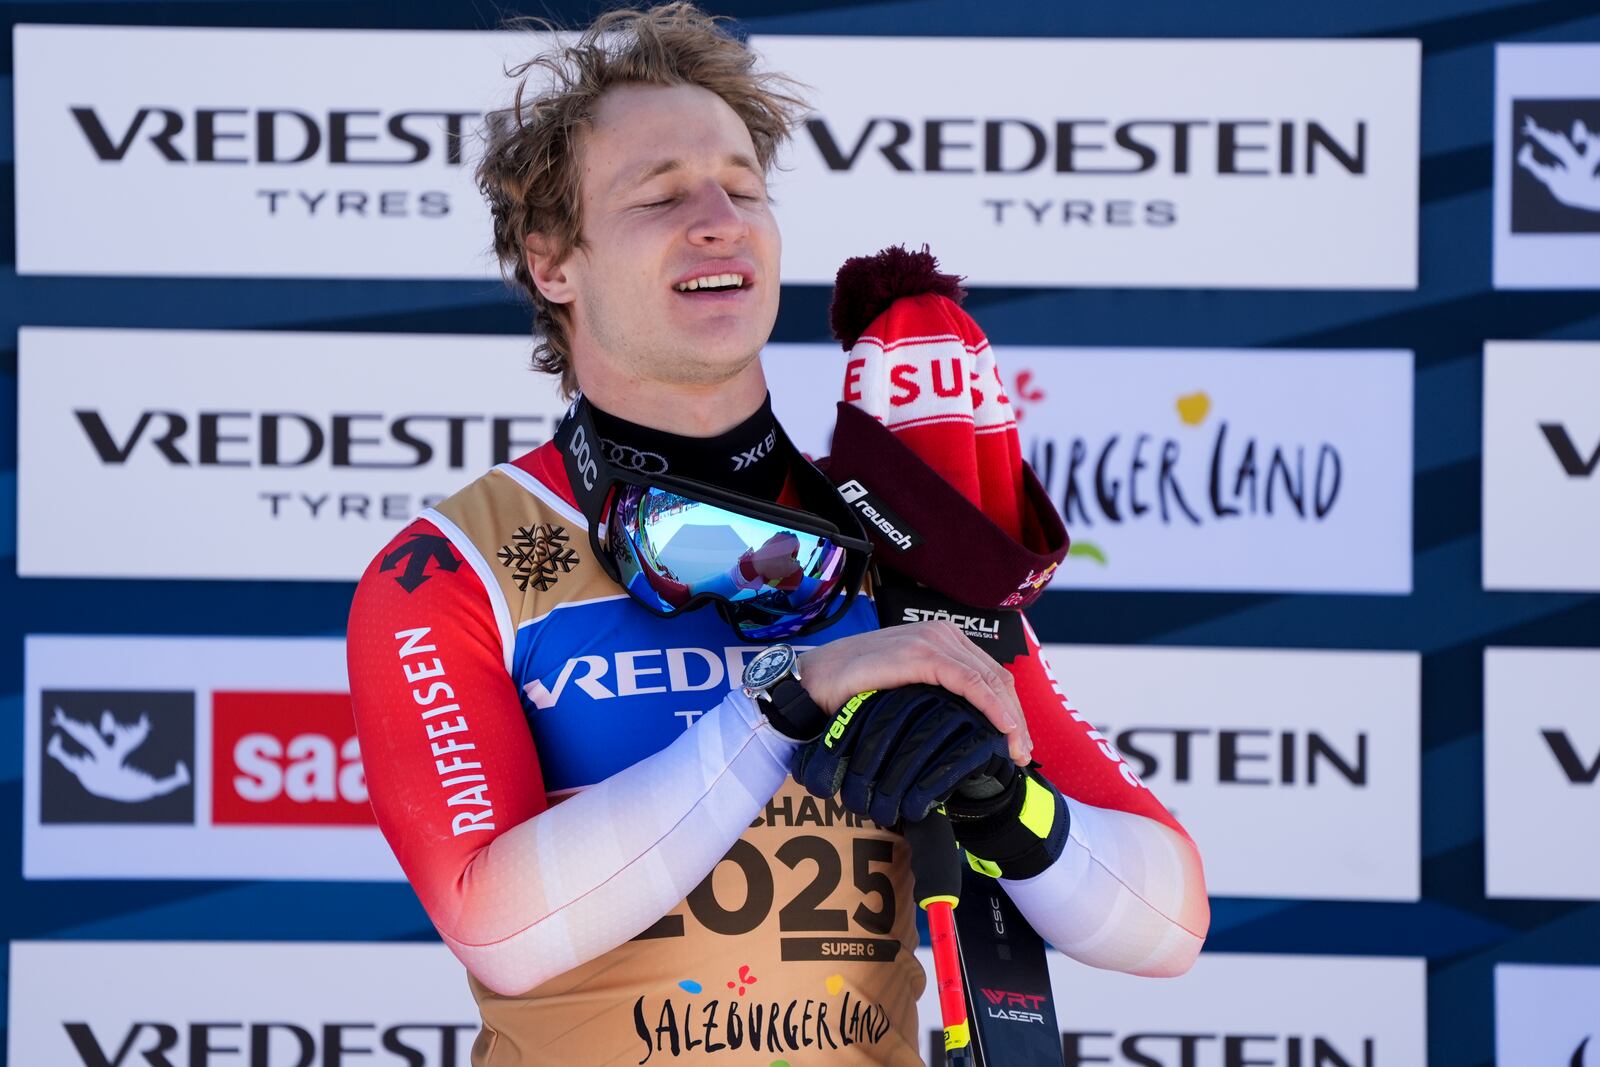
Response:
column 713, row 283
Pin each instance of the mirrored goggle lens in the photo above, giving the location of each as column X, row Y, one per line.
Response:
column 670, row 549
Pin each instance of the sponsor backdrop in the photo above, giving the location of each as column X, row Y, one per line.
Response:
column 406, row 1004
column 1300, row 313
column 1547, row 192
column 1547, row 1014
column 1541, row 465
column 259, row 473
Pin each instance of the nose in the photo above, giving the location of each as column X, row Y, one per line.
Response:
column 717, row 220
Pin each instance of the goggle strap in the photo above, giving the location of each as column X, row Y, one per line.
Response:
column 589, row 474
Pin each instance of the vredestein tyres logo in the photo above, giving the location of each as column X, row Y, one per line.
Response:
column 256, row 480
column 292, row 442
column 1120, row 163
column 1245, row 756
column 277, row 139
column 183, row 1043
column 1329, row 787
column 1047, row 150
column 258, row 152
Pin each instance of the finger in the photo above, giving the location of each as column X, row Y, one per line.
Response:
column 962, row 648
column 941, row 776
column 969, row 681
column 855, row 789
column 999, row 681
column 1007, row 685
column 995, row 675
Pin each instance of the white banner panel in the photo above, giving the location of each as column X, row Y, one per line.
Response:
column 259, row 153
column 1068, row 162
column 1296, row 772
column 1541, row 769
column 1206, row 163
column 255, row 454
column 295, row 456
column 1541, row 464
column 1547, row 1014
column 1546, row 181
column 1195, row 469
column 181, row 1004
column 1234, row 1011
column 173, row 757
column 73, row 1005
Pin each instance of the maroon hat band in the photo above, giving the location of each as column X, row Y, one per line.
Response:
column 924, row 528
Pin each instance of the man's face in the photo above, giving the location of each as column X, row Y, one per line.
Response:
column 671, row 192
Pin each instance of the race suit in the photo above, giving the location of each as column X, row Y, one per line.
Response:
column 603, row 828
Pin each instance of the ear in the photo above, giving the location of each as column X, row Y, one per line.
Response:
column 549, row 274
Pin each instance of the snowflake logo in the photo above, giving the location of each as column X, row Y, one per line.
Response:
column 538, row 555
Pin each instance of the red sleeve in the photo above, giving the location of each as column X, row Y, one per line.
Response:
column 1076, row 758
column 449, row 758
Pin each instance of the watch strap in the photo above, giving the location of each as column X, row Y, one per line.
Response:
column 791, row 710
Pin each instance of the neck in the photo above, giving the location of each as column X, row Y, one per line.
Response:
column 747, row 458
column 688, row 409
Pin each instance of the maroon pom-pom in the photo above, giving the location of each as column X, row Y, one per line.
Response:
column 867, row 285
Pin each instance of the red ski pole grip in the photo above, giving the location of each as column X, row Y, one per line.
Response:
column 936, row 874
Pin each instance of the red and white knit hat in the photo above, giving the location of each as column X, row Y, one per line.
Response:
column 926, row 428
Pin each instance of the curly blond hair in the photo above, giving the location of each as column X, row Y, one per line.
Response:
column 530, row 169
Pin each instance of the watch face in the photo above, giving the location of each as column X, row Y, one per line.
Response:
column 768, row 667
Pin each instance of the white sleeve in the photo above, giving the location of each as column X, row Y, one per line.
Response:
column 1127, row 893
column 583, row 877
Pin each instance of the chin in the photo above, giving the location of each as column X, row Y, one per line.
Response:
column 730, row 348
column 725, row 365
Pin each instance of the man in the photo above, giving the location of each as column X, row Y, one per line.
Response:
column 596, row 816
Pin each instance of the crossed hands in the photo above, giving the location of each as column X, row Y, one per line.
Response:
column 931, row 653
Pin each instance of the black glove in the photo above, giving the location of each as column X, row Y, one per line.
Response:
column 1011, row 820
column 899, row 752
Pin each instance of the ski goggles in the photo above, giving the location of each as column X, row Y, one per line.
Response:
column 675, row 545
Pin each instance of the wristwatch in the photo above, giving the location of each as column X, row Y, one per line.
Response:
column 772, row 680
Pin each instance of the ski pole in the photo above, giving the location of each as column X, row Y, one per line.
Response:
column 936, row 871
